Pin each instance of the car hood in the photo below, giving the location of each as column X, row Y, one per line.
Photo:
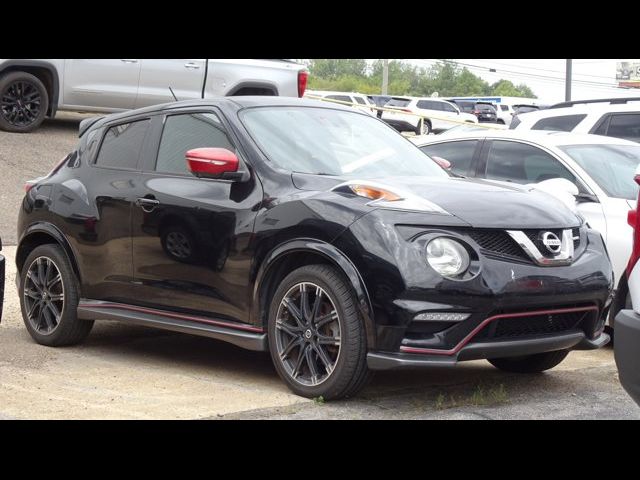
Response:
column 480, row 203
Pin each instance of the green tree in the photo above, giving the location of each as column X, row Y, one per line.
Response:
column 505, row 88
column 331, row 68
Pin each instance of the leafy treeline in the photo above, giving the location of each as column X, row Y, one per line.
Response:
column 445, row 78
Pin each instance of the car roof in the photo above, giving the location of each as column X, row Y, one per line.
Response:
column 234, row 103
column 598, row 108
column 543, row 137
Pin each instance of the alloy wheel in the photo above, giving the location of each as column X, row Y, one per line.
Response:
column 308, row 334
column 20, row 103
column 178, row 245
column 43, row 295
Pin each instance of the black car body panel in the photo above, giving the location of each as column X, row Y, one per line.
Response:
column 242, row 234
column 627, row 352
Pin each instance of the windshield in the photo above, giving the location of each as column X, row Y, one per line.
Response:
column 612, row 167
column 333, row 142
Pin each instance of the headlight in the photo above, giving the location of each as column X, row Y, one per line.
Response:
column 447, row 257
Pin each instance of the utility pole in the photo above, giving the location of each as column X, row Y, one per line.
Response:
column 567, row 82
column 385, row 76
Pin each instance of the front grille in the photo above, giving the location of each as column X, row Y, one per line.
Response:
column 575, row 233
column 508, row 328
column 498, row 242
column 535, row 237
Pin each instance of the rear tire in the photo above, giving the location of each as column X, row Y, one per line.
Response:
column 423, row 128
column 535, row 363
column 24, row 102
column 49, row 297
column 325, row 358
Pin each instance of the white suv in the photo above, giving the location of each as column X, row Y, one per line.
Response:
column 618, row 118
column 439, row 115
column 364, row 104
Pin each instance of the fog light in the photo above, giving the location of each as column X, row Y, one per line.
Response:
column 441, row 317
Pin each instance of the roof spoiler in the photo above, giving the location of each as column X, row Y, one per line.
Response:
column 86, row 124
column 612, row 101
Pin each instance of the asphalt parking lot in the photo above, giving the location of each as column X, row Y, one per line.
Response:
column 128, row 372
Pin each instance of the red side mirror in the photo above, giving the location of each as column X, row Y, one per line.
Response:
column 211, row 162
column 443, row 162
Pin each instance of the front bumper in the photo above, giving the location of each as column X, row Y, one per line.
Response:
column 484, row 350
column 627, row 351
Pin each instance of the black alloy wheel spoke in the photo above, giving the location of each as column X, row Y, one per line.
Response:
column 20, row 103
column 43, row 295
column 307, row 322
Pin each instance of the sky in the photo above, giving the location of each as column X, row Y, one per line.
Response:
column 592, row 78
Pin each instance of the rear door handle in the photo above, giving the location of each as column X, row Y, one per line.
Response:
column 191, row 65
column 147, row 204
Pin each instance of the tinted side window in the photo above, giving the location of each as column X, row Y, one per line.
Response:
column 185, row 132
column 359, row 100
column 448, row 108
column 521, row 163
column 459, row 154
column 565, row 123
column 342, row 98
column 122, row 145
column 504, row 108
column 625, row 126
column 429, row 105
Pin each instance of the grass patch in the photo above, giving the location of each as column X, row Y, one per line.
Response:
column 481, row 396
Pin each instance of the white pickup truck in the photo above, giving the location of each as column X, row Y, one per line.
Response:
column 32, row 89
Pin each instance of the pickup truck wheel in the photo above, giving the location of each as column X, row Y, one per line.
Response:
column 23, row 102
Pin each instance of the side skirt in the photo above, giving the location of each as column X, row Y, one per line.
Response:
column 240, row 334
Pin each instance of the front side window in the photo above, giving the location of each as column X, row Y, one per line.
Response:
column 612, row 167
column 563, row 123
column 448, row 108
column 522, row 163
column 459, row 154
column 122, row 145
column 325, row 141
column 185, row 132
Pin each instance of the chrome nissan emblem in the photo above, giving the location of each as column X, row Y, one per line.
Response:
column 552, row 242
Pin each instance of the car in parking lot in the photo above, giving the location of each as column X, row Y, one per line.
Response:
column 612, row 117
column 627, row 346
column 484, row 111
column 309, row 230
column 359, row 101
column 600, row 168
column 424, row 115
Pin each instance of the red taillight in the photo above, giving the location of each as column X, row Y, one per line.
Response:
column 303, row 77
column 405, row 110
column 476, row 112
column 632, row 219
column 29, row 184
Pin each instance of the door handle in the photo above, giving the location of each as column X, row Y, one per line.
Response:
column 129, row 60
column 191, row 65
column 147, row 204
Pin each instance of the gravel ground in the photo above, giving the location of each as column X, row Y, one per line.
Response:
column 131, row 372
column 27, row 156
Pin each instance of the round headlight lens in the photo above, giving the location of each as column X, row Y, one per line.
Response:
column 447, row 257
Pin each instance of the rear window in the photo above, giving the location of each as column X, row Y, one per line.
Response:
column 564, row 123
column 485, row 108
column 398, row 102
column 122, row 145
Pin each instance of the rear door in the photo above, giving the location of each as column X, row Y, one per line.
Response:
column 102, row 84
column 108, row 186
column 184, row 76
column 461, row 154
column 191, row 236
column 620, row 125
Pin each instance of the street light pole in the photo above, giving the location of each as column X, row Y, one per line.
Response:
column 385, row 76
column 567, row 82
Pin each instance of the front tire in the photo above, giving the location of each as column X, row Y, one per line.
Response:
column 49, row 298
column 535, row 363
column 423, row 128
column 316, row 336
column 24, row 102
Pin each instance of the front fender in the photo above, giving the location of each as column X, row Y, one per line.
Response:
column 329, row 252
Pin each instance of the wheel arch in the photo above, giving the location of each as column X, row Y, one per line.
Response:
column 253, row 88
column 44, row 71
column 306, row 251
column 41, row 234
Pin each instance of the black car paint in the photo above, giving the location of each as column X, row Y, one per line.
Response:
column 275, row 220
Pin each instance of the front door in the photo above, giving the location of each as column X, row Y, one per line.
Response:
column 191, row 236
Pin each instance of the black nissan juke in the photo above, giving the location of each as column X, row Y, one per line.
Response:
column 311, row 231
